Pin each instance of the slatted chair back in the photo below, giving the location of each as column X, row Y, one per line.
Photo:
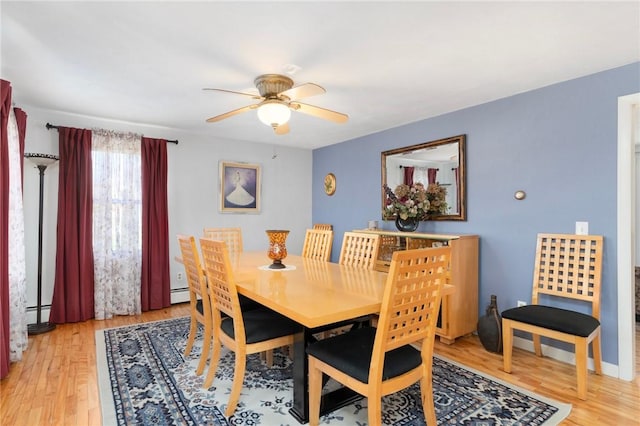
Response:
column 408, row 316
column 411, row 301
column 359, row 249
column 244, row 332
column 231, row 236
column 200, row 308
column 221, row 286
column 569, row 266
column 566, row 267
column 317, row 244
column 323, row 226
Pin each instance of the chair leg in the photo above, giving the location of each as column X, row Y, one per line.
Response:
column 428, row 405
column 213, row 363
column 206, row 346
column 582, row 349
column 597, row 354
column 536, row 344
column 374, row 409
column 238, row 379
column 315, row 392
column 507, row 345
column 193, row 329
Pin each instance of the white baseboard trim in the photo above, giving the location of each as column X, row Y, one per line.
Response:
column 564, row 356
column 179, row 295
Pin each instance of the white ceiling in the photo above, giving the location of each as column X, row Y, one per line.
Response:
column 384, row 64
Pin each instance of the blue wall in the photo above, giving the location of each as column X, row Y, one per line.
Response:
column 558, row 143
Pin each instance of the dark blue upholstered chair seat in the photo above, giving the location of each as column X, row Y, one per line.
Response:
column 351, row 353
column 262, row 324
column 246, row 304
column 565, row 321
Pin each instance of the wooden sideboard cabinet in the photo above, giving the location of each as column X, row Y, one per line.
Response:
column 459, row 310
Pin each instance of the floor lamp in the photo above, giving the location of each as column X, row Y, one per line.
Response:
column 41, row 161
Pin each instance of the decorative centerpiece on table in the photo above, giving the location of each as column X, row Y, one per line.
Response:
column 277, row 247
column 409, row 204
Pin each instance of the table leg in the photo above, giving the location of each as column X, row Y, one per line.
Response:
column 300, row 408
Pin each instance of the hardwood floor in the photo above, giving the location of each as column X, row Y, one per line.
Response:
column 56, row 382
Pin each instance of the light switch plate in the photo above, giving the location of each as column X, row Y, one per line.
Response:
column 582, row 228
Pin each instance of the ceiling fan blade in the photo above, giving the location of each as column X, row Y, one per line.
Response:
column 251, row 95
column 282, row 129
column 303, row 91
column 326, row 114
column 231, row 113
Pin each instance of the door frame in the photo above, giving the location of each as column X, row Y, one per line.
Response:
column 626, row 236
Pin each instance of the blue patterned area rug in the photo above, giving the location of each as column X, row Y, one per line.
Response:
column 145, row 379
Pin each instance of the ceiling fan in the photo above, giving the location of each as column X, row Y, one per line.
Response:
column 277, row 99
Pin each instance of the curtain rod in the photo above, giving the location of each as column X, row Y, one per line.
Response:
column 53, row 126
column 415, row 166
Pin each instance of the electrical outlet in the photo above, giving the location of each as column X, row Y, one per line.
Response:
column 179, row 276
column 582, row 228
column 521, row 303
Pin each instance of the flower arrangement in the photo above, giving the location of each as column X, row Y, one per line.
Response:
column 415, row 201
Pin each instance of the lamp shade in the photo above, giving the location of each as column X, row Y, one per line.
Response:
column 273, row 113
column 41, row 159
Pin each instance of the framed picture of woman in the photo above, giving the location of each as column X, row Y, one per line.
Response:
column 239, row 187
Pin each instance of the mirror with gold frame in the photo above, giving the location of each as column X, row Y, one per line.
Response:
column 446, row 156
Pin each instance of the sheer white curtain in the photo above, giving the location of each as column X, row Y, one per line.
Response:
column 117, row 217
column 420, row 175
column 18, row 339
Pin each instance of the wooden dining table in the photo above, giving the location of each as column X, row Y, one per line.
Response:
column 318, row 295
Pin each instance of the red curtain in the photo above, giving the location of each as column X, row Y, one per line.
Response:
column 5, row 108
column 455, row 171
column 73, row 287
column 21, row 121
column 431, row 175
column 156, row 287
column 408, row 175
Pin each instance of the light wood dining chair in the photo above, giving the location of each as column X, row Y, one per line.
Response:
column 566, row 267
column 231, row 236
column 386, row 360
column 200, row 308
column 317, row 244
column 323, row 226
column 359, row 249
column 243, row 332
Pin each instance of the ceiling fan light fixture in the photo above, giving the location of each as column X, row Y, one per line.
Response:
column 274, row 113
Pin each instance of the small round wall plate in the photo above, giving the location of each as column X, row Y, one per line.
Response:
column 330, row 184
column 520, row 195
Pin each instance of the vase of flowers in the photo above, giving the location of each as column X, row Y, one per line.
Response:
column 409, row 204
column 409, row 224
